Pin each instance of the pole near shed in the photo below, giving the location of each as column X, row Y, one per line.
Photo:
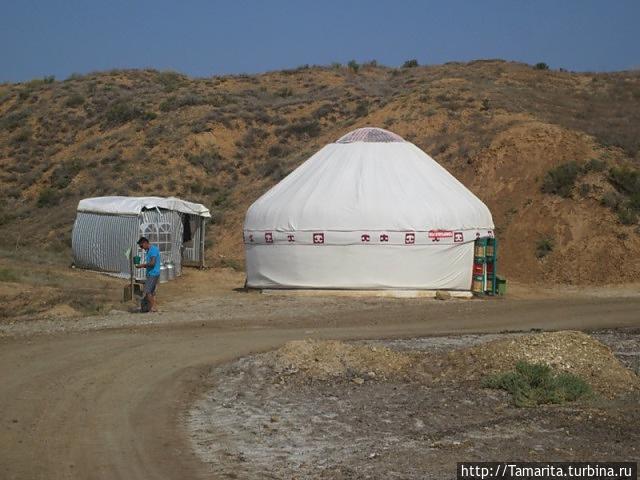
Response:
column 202, row 232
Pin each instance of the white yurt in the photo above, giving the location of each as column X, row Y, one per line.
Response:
column 370, row 211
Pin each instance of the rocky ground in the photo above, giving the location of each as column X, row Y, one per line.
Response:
column 410, row 409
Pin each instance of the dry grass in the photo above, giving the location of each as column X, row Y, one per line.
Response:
column 233, row 137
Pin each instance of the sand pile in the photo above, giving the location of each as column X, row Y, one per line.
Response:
column 568, row 351
column 322, row 360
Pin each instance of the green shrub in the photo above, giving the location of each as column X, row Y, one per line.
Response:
column 627, row 215
column 301, row 128
column 595, row 165
column 48, row 198
column 210, row 161
column 626, row 180
column 175, row 103
column 272, row 168
column 584, row 190
column 541, row 66
column 410, row 63
column 8, row 275
column 13, row 120
column 544, row 247
column 22, row 136
column 362, row 109
column 170, row 80
column 231, row 263
column 284, row 92
column 64, row 174
column 74, row 100
column 322, row 111
column 611, row 200
column 353, row 66
column 561, row 179
column 532, row 384
column 122, row 112
column 251, row 137
column 278, row 150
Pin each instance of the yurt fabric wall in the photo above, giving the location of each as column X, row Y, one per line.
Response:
column 370, row 211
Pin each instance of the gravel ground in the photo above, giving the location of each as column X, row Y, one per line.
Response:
column 252, row 423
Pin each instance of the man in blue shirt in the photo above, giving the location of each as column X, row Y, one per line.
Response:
column 152, row 264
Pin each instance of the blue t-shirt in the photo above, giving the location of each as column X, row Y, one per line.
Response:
column 154, row 271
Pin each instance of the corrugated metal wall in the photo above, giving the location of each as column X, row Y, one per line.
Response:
column 99, row 242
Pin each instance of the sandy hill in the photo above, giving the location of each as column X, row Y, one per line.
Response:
column 555, row 155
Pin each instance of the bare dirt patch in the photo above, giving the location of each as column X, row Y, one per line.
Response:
column 280, row 415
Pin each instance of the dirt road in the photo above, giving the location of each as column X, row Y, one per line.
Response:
column 108, row 403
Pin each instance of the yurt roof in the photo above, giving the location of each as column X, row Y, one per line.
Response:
column 119, row 205
column 369, row 179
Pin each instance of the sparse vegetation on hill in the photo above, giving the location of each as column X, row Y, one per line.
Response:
column 559, row 149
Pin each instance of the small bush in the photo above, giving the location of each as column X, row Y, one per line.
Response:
column 544, row 247
column 209, row 161
column 322, row 111
column 272, row 168
column 251, row 137
column 300, row 129
column 231, row 263
column 561, row 179
column 534, row 384
column 362, row 109
column 353, row 66
column 170, row 81
column 13, row 120
column 64, row 174
column 74, row 101
column 627, row 215
column 584, row 190
column 595, row 165
column 175, row 103
column 48, row 198
column 278, row 150
column 410, row 63
column 124, row 112
column 611, row 200
column 541, row 66
column 284, row 92
column 8, row 275
column 22, row 136
column 626, row 180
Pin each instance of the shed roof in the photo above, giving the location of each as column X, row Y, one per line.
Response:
column 118, row 205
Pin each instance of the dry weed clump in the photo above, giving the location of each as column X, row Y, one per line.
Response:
column 567, row 351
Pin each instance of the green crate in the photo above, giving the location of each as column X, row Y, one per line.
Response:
column 501, row 285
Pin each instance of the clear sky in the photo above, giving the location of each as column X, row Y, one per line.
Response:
column 203, row 38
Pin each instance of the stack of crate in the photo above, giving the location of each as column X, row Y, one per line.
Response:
column 485, row 260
